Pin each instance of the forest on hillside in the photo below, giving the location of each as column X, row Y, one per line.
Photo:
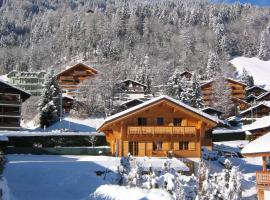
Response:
column 134, row 39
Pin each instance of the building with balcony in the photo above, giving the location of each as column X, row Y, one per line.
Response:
column 70, row 78
column 11, row 99
column 130, row 89
column 31, row 82
column 158, row 127
column 238, row 91
column 255, row 90
column 261, row 148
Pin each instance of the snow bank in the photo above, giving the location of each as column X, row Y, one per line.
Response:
column 104, row 192
column 259, row 69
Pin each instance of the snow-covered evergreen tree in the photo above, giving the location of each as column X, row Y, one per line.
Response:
column 234, row 191
column 221, row 98
column 213, row 66
column 50, row 101
column 264, row 49
column 196, row 95
column 175, row 85
column 247, row 79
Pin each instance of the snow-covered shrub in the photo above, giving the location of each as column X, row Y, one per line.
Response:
column 133, row 174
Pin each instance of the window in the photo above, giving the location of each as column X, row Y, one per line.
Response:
column 142, row 121
column 160, row 121
column 133, row 148
column 177, row 121
column 157, row 146
column 183, row 145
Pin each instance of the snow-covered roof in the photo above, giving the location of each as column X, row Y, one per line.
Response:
column 228, row 79
column 128, row 101
column 263, row 122
column 67, row 69
column 260, row 123
column 260, row 145
column 43, row 134
column 259, row 69
column 254, row 107
column 211, row 108
column 87, row 125
column 255, row 86
column 126, row 80
column 162, row 97
column 17, row 88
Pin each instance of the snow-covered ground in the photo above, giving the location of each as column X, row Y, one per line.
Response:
column 259, row 69
column 44, row 177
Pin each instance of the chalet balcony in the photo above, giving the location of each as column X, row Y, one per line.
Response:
column 263, row 179
column 66, row 78
column 162, row 130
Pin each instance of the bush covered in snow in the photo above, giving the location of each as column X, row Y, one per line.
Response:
column 133, row 174
column 218, row 186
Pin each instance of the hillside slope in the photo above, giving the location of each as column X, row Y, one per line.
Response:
column 259, row 69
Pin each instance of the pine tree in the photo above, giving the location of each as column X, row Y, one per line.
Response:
column 175, row 85
column 264, row 50
column 50, row 101
column 213, row 66
column 234, row 191
column 196, row 97
column 247, row 79
column 221, row 98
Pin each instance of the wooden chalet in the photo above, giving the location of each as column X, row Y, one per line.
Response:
column 11, row 99
column 158, row 127
column 264, row 97
column 70, row 78
column 255, row 90
column 257, row 111
column 132, row 89
column 261, row 148
column 238, row 90
column 187, row 75
column 130, row 103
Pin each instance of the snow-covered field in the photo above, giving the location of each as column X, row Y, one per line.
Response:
column 43, row 177
column 259, row 69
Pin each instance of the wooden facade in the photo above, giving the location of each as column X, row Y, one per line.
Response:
column 256, row 111
column 157, row 127
column 11, row 99
column 255, row 90
column 264, row 97
column 238, row 90
column 70, row 78
column 131, row 89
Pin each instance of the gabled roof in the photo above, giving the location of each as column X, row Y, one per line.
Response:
column 228, row 79
column 251, row 96
column 186, row 72
column 259, row 146
column 130, row 101
column 138, row 83
column 78, row 64
column 25, row 94
column 256, row 86
column 213, row 109
column 254, row 107
column 155, row 100
column 262, row 95
column 260, row 123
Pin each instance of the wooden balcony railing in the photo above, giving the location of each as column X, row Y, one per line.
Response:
column 263, row 178
column 158, row 130
column 66, row 78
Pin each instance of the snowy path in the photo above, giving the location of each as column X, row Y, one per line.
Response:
column 55, row 177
